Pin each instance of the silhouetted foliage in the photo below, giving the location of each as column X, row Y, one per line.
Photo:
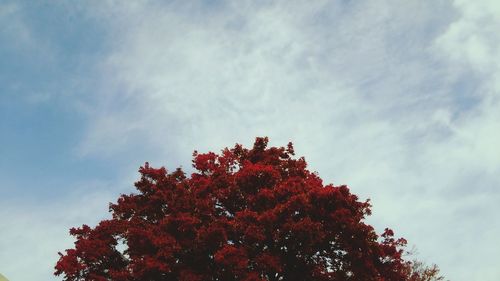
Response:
column 418, row 271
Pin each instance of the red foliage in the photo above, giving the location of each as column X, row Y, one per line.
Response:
column 246, row 214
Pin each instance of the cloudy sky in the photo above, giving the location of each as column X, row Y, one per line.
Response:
column 400, row 100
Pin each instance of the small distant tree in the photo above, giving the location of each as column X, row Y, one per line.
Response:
column 244, row 214
column 418, row 271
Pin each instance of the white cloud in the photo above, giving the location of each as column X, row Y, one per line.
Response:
column 473, row 39
column 249, row 68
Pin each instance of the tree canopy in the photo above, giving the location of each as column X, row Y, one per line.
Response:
column 244, row 214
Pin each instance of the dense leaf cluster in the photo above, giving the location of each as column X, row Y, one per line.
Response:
column 245, row 214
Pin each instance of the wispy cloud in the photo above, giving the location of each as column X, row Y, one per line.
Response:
column 249, row 68
column 14, row 31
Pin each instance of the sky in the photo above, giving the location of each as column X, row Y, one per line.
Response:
column 398, row 100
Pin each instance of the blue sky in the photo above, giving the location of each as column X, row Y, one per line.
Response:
column 398, row 101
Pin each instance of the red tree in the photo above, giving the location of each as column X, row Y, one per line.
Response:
column 246, row 214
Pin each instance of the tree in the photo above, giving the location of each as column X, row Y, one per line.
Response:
column 245, row 214
column 418, row 271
